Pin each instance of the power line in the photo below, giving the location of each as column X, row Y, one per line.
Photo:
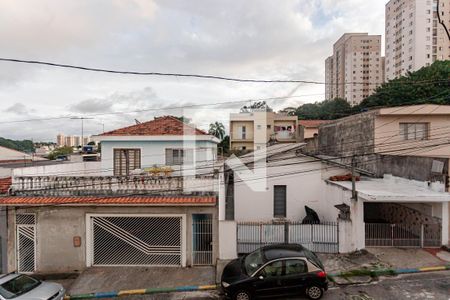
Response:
column 165, row 108
column 199, row 76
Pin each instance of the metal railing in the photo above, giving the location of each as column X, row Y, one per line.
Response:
column 402, row 235
column 323, row 237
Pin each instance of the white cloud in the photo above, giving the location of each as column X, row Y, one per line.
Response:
column 249, row 39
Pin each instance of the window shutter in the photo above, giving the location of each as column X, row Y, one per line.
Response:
column 279, row 201
column 169, row 157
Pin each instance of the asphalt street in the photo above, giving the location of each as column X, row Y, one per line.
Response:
column 430, row 286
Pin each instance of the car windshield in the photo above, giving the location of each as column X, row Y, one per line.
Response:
column 18, row 286
column 254, row 261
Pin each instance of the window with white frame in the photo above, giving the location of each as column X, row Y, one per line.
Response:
column 179, row 156
column 414, row 131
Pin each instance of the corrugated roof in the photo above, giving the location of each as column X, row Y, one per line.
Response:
column 111, row 200
column 167, row 125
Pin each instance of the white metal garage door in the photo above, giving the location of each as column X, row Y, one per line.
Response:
column 124, row 240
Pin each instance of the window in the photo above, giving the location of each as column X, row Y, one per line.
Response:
column 279, row 201
column 269, row 126
column 243, row 132
column 179, row 156
column 295, row 267
column 126, row 160
column 273, row 269
column 414, row 131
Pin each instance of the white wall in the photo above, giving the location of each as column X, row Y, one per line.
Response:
column 304, row 186
column 62, row 169
column 227, row 240
column 153, row 152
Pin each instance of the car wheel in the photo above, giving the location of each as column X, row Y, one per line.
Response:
column 314, row 292
column 242, row 295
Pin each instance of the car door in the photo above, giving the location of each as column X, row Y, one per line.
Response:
column 268, row 280
column 294, row 279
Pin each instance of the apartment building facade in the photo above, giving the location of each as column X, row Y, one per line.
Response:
column 417, row 34
column 254, row 129
column 355, row 69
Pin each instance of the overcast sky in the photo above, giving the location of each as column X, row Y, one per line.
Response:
column 281, row 39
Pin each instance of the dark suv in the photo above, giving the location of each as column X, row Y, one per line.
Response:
column 276, row 270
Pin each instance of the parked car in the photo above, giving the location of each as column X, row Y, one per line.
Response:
column 275, row 270
column 23, row 287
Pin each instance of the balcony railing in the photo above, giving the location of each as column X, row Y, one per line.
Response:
column 285, row 135
column 112, row 185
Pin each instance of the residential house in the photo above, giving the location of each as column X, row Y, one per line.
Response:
column 347, row 218
column 254, row 128
column 308, row 129
column 407, row 141
column 117, row 212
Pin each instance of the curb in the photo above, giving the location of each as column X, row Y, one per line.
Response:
column 189, row 288
column 193, row 288
column 381, row 272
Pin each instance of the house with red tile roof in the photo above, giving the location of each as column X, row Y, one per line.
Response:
column 152, row 203
column 309, row 128
column 163, row 142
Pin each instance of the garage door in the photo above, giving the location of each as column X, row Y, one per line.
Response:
column 120, row 240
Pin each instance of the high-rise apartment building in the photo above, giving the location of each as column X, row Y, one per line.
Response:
column 417, row 34
column 60, row 140
column 355, row 69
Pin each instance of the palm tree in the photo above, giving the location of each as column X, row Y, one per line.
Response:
column 217, row 129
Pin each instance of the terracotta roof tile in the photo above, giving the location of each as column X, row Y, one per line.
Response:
column 5, row 184
column 312, row 123
column 167, row 125
column 108, row 200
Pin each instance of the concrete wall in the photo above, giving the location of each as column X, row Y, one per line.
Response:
column 92, row 168
column 227, row 240
column 57, row 226
column 154, row 152
column 348, row 136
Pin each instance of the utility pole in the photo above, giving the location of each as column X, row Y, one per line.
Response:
column 82, row 126
column 354, row 195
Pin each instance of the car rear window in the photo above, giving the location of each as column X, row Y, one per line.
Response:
column 18, row 286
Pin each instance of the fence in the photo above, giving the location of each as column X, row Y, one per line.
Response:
column 402, row 235
column 202, row 248
column 323, row 237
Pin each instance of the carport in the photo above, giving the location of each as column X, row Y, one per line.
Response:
column 399, row 212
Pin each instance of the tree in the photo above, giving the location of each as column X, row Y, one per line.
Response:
column 24, row 146
column 224, row 145
column 60, row 151
column 262, row 105
column 427, row 85
column 217, row 129
column 325, row 110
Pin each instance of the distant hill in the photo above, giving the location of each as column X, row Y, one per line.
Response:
column 24, row 146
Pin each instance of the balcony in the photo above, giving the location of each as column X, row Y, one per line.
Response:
column 113, row 185
column 285, row 135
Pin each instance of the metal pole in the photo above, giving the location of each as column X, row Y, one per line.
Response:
column 353, row 178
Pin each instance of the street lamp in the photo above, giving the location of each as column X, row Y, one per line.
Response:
column 82, row 125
